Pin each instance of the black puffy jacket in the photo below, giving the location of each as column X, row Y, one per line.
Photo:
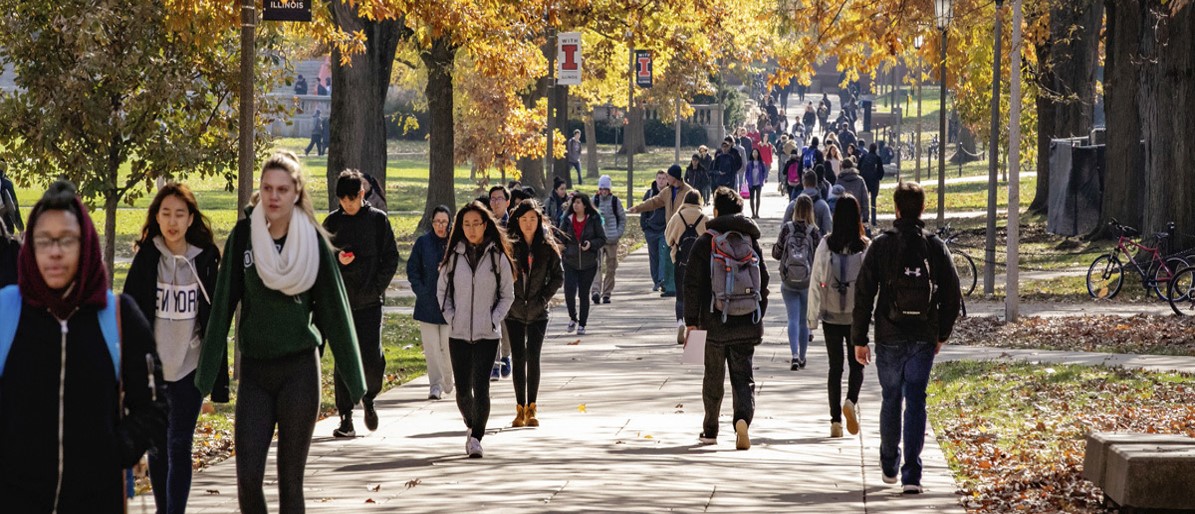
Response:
column 534, row 289
column 574, row 257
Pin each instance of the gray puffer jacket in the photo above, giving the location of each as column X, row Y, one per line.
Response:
column 476, row 299
column 614, row 218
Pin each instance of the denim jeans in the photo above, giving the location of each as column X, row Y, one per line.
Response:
column 742, row 383
column 576, row 166
column 903, row 369
column 170, row 467
column 667, row 269
column 653, row 256
column 796, row 304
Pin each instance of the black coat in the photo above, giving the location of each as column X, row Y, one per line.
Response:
column 533, row 290
column 142, row 285
column 699, row 292
column 369, row 237
column 871, row 170
column 574, row 257
column 97, row 444
column 880, row 266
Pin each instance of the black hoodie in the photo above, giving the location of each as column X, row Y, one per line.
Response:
column 699, row 293
column 370, row 238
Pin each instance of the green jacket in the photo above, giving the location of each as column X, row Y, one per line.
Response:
column 273, row 324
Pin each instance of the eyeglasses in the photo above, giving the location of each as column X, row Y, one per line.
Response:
column 442, row 223
column 64, row 243
column 473, row 225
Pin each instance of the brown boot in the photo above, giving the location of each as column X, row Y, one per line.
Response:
column 520, row 417
column 529, row 416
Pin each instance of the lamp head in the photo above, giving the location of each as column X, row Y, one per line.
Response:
column 943, row 12
column 918, row 42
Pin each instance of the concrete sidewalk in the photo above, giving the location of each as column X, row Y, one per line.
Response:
column 620, row 417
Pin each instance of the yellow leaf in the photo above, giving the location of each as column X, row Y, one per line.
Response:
column 581, row 408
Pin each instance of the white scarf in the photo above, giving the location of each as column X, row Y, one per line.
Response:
column 294, row 269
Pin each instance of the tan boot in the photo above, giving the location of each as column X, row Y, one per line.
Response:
column 520, row 417
column 529, row 417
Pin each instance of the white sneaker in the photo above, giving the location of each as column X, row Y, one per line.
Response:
column 913, row 489
column 741, row 440
column 473, row 448
column 581, row 330
column 707, row 441
column 572, row 325
column 852, row 418
column 890, row 479
column 436, row 393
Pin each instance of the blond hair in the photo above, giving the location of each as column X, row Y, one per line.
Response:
column 803, row 210
column 287, row 161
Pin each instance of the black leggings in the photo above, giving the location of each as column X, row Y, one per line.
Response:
column 756, row 194
column 285, row 392
column 526, row 344
column 368, row 323
column 836, row 344
column 471, row 365
column 574, row 281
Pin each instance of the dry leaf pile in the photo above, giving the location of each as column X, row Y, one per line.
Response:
column 1145, row 334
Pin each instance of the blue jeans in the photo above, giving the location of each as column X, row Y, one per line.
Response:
column 653, row 256
column 796, row 304
column 170, row 467
column 576, row 166
column 904, row 374
column 667, row 269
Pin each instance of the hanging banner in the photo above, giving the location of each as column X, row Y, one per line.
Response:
column 568, row 59
column 286, row 10
column 643, row 68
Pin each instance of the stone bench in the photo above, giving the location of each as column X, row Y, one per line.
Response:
column 1143, row 471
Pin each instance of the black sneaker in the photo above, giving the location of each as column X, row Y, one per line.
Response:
column 801, row 362
column 346, row 428
column 597, row 298
column 605, row 299
column 371, row 416
column 796, row 365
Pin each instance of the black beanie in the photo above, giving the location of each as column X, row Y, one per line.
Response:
column 676, row 172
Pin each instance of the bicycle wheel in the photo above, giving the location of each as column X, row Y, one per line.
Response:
column 1104, row 277
column 1181, row 292
column 967, row 276
column 1163, row 274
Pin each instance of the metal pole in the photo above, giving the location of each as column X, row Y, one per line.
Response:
column 630, row 109
column 676, row 151
column 942, row 137
column 989, row 250
column 550, row 163
column 245, row 154
column 1011, row 293
column 917, row 142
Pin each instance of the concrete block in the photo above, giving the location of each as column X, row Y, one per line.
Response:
column 1099, row 445
column 1152, row 476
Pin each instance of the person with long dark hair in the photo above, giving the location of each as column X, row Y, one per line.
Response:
column 281, row 272
column 423, row 271
column 476, row 291
column 172, row 278
column 584, row 238
column 832, row 301
column 757, row 175
column 70, row 348
column 538, row 276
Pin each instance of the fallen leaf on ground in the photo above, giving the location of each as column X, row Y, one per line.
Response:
column 574, row 343
column 581, row 408
column 413, row 483
column 375, row 488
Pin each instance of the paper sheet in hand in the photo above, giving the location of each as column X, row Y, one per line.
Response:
column 694, row 348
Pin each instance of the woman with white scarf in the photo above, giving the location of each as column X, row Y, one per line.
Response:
column 278, row 266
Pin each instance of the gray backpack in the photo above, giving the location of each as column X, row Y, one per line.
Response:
column 734, row 276
column 796, row 264
column 838, row 302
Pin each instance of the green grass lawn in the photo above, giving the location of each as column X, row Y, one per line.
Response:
column 1013, row 433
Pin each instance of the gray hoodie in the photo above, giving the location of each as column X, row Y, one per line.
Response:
column 177, row 311
column 850, row 180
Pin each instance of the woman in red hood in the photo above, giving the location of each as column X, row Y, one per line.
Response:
column 81, row 395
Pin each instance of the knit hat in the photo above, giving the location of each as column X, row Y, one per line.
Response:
column 605, row 182
column 675, row 171
column 837, row 191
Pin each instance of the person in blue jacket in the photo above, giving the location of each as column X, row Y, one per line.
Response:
column 423, row 271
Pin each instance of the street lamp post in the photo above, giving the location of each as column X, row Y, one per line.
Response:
column 943, row 13
column 918, row 42
column 989, row 251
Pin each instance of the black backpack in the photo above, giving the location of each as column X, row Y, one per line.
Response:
column 687, row 238
column 911, row 282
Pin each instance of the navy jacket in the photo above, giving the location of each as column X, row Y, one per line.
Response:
column 423, row 271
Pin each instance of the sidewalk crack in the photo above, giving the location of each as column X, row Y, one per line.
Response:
column 558, row 491
column 710, row 500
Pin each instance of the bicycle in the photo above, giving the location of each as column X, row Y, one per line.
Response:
column 1106, row 274
column 1182, row 283
column 964, row 265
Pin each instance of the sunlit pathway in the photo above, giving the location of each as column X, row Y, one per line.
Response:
column 620, row 418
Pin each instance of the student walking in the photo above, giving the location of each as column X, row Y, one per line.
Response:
column 794, row 249
column 614, row 221
column 669, row 200
column 476, row 291
column 871, row 169
column 698, row 176
column 653, row 224
column 538, row 276
column 500, row 204
column 553, row 206
column 423, row 271
column 908, row 281
column 836, row 267
column 757, row 175
column 368, row 258
column 172, row 278
column 584, row 237
column 732, row 318
column 69, row 347
column 280, row 270
column 683, row 230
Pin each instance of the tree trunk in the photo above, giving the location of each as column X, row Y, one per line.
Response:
column 532, row 170
column 1123, row 187
column 441, row 170
column 633, row 137
column 591, row 149
column 1045, row 132
column 357, row 138
column 965, row 151
column 1166, row 98
column 111, row 202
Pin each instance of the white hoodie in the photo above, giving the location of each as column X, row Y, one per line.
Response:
column 177, row 311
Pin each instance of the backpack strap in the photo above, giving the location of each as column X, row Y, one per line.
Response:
column 10, row 316
column 111, row 329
